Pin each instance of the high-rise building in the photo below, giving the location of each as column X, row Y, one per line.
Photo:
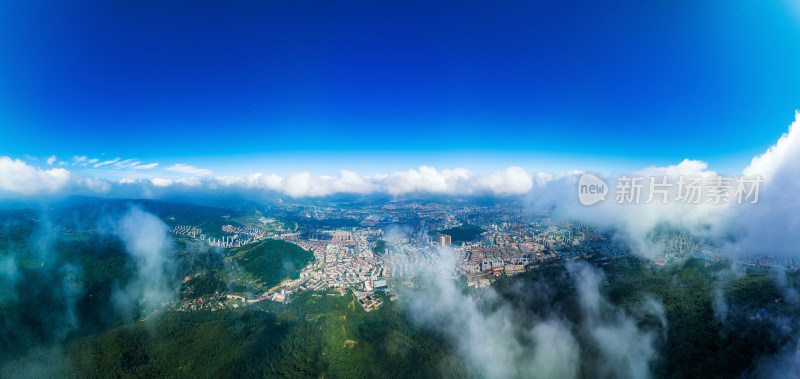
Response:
column 444, row 239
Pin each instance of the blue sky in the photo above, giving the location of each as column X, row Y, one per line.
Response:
column 276, row 86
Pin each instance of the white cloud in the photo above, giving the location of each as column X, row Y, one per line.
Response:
column 767, row 227
column 18, row 177
column 127, row 181
column 117, row 163
column 147, row 241
column 502, row 339
column 626, row 351
column 108, row 162
column 425, row 179
column 51, row 160
column 190, row 182
column 771, row 225
column 79, row 160
column 129, row 164
column 161, row 182
column 633, row 224
column 303, row 184
column 511, row 181
column 188, row 169
column 125, row 163
column 93, row 184
column 780, row 156
column 144, row 166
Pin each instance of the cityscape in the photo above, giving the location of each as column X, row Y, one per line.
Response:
column 398, row 241
column 420, row 189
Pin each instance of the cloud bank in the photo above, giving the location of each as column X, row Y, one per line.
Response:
column 766, row 227
column 20, row 179
column 636, row 225
column 772, row 224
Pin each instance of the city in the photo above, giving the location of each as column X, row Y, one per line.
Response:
column 424, row 189
column 400, row 240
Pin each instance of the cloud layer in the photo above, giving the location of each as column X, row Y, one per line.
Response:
column 635, row 224
column 22, row 179
column 17, row 177
column 768, row 226
column 772, row 224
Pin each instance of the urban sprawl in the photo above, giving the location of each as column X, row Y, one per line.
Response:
column 396, row 241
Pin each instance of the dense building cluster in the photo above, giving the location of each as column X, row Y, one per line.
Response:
column 241, row 236
column 391, row 242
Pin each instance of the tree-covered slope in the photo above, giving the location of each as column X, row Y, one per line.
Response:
column 272, row 260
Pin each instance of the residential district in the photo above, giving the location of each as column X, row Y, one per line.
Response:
column 386, row 245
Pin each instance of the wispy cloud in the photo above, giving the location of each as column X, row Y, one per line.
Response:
column 114, row 164
column 126, row 163
column 147, row 241
column 108, row 162
column 144, row 166
column 190, row 170
column 79, row 159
